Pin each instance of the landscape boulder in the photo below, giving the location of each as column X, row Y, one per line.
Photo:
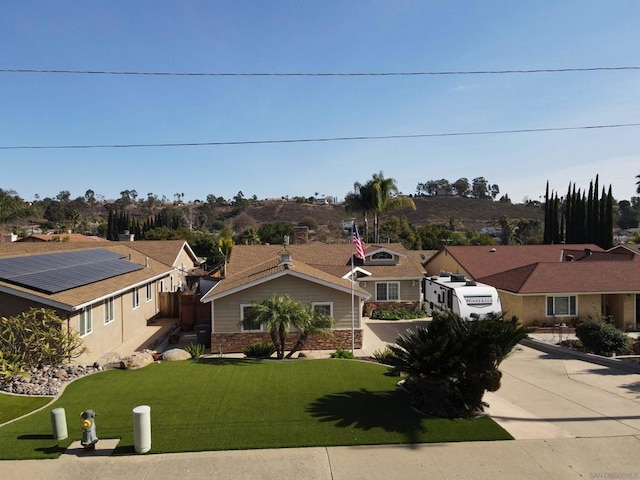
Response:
column 136, row 360
column 107, row 361
column 176, row 354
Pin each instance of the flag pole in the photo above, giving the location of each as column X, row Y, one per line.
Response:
column 353, row 323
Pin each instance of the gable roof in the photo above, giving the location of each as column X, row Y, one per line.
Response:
column 485, row 260
column 165, row 251
column 272, row 269
column 608, row 276
column 334, row 259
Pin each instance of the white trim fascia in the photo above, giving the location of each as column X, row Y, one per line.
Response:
column 348, row 275
column 281, row 274
column 391, row 279
column 384, row 249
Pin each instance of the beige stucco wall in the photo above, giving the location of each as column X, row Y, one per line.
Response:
column 442, row 261
column 226, row 311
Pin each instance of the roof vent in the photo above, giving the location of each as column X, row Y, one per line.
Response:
column 284, row 258
column 444, row 274
column 470, row 283
column 493, row 250
column 457, row 277
column 569, row 258
column 587, row 252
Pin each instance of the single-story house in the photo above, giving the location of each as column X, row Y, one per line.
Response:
column 105, row 292
column 552, row 284
column 314, row 273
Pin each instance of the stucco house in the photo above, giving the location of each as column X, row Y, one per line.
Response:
column 550, row 284
column 314, row 273
column 107, row 293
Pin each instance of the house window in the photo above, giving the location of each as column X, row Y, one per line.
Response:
column 161, row 286
column 387, row 291
column 86, row 326
column 246, row 319
column 135, row 296
column 562, row 306
column 326, row 307
column 382, row 256
column 109, row 311
column 148, row 288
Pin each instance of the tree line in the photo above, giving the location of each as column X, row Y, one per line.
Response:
column 580, row 217
column 478, row 188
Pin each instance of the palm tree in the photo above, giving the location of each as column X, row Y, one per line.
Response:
column 277, row 313
column 385, row 197
column 360, row 201
column 315, row 322
column 638, row 184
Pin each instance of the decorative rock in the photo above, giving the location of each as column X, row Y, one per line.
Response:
column 61, row 373
column 107, row 361
column 136, row 360
column 176, row 354
column 305, row 355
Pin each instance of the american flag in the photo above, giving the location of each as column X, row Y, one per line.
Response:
column 355, row 238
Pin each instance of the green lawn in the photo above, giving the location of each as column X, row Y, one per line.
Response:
column 240, row 404
column 14, row 406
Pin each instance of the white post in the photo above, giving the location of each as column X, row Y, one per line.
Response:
column 142, row 428
column 59, row 424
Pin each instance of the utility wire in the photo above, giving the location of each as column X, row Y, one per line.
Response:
column 310, row 140
column 315, row 74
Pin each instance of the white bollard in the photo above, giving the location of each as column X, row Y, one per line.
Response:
column 142, row 428
column 59, row 424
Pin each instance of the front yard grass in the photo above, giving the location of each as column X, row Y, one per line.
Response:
column 225, row 404
column 14, row 406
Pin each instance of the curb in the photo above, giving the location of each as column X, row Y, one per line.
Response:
column 587, row 357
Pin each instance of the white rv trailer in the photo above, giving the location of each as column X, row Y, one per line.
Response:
column 467, row 298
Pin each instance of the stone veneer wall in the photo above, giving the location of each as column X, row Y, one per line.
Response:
column 235, row 342
column 370, row 307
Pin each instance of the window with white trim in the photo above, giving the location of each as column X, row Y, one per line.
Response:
column 135, row 298
column 109, row 311
column 86, row 325
column 247, row 323
column 326, row 307
column 387, row 291
column 149, row 294
column 565, row 306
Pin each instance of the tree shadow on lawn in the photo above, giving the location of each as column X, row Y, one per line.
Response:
column 367, row 410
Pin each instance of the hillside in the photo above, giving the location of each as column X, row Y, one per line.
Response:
column 467, row 213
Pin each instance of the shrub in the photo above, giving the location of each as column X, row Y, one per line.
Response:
column 397, row 314
column 342, row 353
column 38, row 337
column 385, row 356
column 259, row 350
column 603, row 339
column 195, row 349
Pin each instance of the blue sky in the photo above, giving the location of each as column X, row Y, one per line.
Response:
column 316, row 36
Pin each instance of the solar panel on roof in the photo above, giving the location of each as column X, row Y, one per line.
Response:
column 57, row 272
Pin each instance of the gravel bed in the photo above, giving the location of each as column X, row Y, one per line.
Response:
column 46, row 380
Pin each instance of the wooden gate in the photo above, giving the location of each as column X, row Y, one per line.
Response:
column 168, row 304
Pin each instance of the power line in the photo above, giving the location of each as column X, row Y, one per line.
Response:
column 316, row 74
column 311, row 140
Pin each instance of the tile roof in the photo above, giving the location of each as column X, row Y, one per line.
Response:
column 482, row 260
column 609, row 276
column 62, row 237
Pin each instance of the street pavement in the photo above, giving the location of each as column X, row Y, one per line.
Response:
column 571, row 419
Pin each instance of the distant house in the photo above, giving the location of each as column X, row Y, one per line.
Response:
column 551, row 284
column 314, row 273
column 61, row 237
column 106, row 292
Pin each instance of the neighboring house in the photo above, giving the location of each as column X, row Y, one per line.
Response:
column 107, row 293
column 550, row 284
column 61, row 237
column 315, row 273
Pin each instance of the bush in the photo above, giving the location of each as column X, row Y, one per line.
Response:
column 342, row 353
column 385, row 356
column 38, row 337
column 603, row 339
column 259, row 350
column 195, row 349
column 397, row 314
